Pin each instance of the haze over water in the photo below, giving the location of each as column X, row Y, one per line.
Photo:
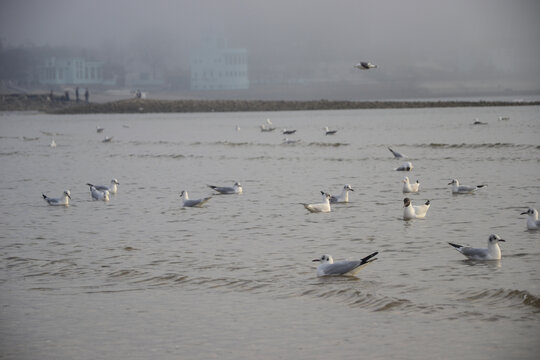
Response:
column 140, row 277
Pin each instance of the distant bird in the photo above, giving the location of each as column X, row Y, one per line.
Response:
column 328, row 131
column 478, row 122
column 193, row 203
column 288, row 141
column 365, row 65
column 343, row 197
column 53, row 143
column 410, row 188
column 288, row 132
column 532, row 222
column 98, row 194
column 328, row 267
column 408, row 166
column 237, row 127
column 61, row 201
column 493, row 251
column 320, row 207
column 463, row 189
column 113, row 188
column 107, row 139
column 504, row 118
column 235, row 189
column 396, row 154
column 265, row 127
column 414, row 212
column 99, row 129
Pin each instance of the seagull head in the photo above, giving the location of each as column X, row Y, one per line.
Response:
column 325, row 259
column 494, row 238
column 348, row 187
column 67, row 193
column 114, row 181
column 454, row 181
column 530, row 211
column 406, row 180
column 406, row 202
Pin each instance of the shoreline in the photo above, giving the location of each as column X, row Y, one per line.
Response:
column 43, row 103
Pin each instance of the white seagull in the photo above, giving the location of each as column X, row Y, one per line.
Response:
column 327, row 131
column 343, row 197
column 396, row 154
column 52, row 144
column 268, row 126
column 532, row 222
column 414, row 212
column 98, row 194
column 321, row 207
column 410, row 188
column 364, row 65
column 463, row 189
column 107, row 139
column 328, row 267
column 63, row 200
column 407, row 166
column 192, row 203
column 113, row 188
column 493, row 251
column 236, row 189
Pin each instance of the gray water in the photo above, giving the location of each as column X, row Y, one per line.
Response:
column 141, row 277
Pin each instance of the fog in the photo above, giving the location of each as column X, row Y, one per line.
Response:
column 431, row 47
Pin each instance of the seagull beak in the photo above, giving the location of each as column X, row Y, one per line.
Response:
column 523, row 213
column 502, row 240
column 450, row 183
column 315, row 260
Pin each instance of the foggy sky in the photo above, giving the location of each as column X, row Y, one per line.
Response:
column 424, row 38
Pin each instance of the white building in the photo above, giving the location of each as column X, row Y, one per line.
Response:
column 214, row 66
column 78, row 71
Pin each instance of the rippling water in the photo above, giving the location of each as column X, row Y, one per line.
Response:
column 141, row 277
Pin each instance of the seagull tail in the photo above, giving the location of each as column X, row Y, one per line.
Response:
column 480, row 186
column 369, row 258
column 89, row 184
column 212, row 187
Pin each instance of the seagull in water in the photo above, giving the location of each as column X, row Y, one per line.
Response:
column 327, row 131
column 405, row 167
column 532, row 222
column 463, row 189
column 396, row 154
column 236, row 189
column 410, row 188
column 365, row 65
column 321, row 207
column 63, row 200
column 98, row 194
column 414, row 212
column 493, row 251
column 349, row 268
column 343, row 197
column 192, row 203
column 288, row 132
column 113, row 188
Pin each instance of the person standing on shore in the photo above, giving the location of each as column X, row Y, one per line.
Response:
column 86, row 95
column 77, row 94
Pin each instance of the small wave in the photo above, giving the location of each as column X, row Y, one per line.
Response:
column 476, row 146
column 496, row 296
column 323, row 144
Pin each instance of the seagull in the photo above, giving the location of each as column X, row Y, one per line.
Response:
column 478, row 122
column 463, row 189
column 193, row 203
column 405, row 167
column 328, row 267
column 99, row 129
column 265, row 128
column 113, row 188
column 343, row 197
column 532, row 222
column 98, row 194
column 64, row 200
column 107, row 139
column 321, row 207
column 410, row 188
column 288, row 141
column 414, row 212
column 493, row 251
column 236, row 189
column 365, row 65
column 328, row 131
column 288, row 132
column 396, row 154
column 53, row 143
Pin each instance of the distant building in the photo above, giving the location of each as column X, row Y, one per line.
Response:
column 72, row 71
column 214, row 66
